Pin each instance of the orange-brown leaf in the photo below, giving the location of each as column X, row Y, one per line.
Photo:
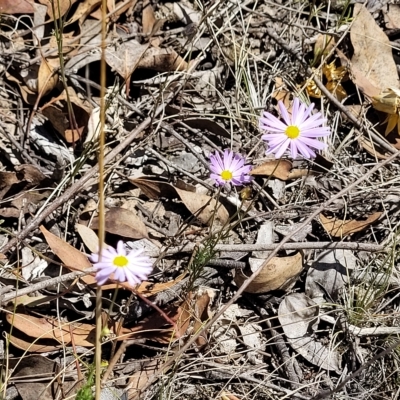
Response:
column 340, row 228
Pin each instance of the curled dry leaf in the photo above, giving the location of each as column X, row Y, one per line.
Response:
column 281, row 169
column 204, row 207
column 299, row 317
column 340, row 228
column 122, row 222
column 278, row 274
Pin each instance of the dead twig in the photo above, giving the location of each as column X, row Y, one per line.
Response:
column 189, row 246
column 44, row 284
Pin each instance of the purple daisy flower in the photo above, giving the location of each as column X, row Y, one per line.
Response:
column 229, row 169
column 297, row 132
column 131, row 267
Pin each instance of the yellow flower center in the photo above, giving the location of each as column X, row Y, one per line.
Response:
column 226, row 175
column 292, row 132
column 120, row 261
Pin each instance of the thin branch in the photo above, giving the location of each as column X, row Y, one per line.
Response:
column 189, row 246
column 44, row 284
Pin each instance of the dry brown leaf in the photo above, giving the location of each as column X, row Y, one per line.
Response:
column 392, row 16
column 196, row 122
column 153, row 189
column 57, row 111
column 7, row 180
column 371, row 148
column 278, row 274
column 57, row 9
column 276, row 168
column 298, row 316
column 150, row 289
column 49, row 328
column 373, row 56
column 89, row 237
column 202, row 315
column 22, row 204
column 48, row 76
column 323, row 47
column 228, row 396
column 122, row 222
column 155, row 327
column 205, row 208
column 358, row 77
column 140, row 378
column 26, row 176
column 111, row 7
column 148, row 18
column 17, row 7
column 37, row 346
column 28, row 94
column 19, row 182
column 126, row 58
column 340, row 228
column 162, row 60
column 280, row 93
column 72, row 258
column 83, row 10
column 281, row 169
column 200, row 205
